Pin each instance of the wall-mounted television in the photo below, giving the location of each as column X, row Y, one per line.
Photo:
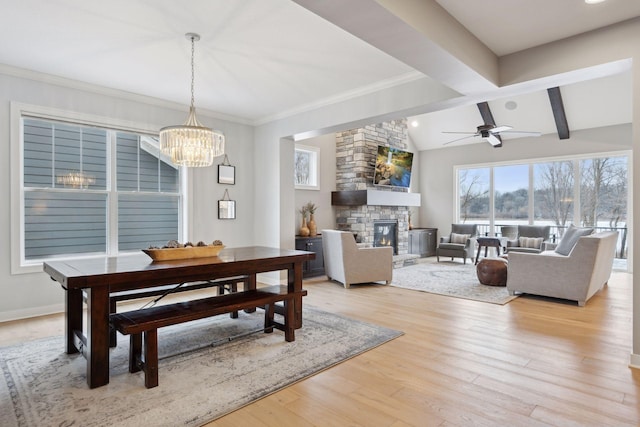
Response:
column 393, row 167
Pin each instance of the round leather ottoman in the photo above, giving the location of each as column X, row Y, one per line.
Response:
column 492, row 271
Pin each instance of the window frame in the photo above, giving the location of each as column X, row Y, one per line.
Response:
column 18, row 111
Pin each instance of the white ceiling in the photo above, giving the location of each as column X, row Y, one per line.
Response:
column 263, row 59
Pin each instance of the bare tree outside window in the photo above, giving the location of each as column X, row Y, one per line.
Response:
column 473, row 187
column 603, row 191
column 553, row 184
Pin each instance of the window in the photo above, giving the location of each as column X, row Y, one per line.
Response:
column 473, row 193
column 91, row 190
column 511, row 194
column 590, row 192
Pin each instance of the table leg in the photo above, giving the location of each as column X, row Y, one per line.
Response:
column 97, row 350
column 478, row 253
column 251, row 285
column 294, row 284
column 73, row 317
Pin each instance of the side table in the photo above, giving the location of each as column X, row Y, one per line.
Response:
column 490, row 242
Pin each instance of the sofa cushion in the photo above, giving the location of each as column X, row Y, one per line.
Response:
column 530, row 242
column 459, row 238
column 570, row 239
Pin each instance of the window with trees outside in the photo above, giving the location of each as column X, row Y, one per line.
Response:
column 93, row 191
column 587, row 192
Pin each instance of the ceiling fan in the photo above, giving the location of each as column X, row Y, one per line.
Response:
column 491, row 134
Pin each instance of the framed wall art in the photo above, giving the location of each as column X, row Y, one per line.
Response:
column 226, row 207
column 226, row 172
column 306, row 167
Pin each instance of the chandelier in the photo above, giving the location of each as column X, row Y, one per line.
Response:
column 191, row 144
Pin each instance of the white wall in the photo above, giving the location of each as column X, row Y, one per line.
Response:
column 325, row 215
column 31, row 294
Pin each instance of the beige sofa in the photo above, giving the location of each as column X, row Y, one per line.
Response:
column 346, row 263
column 577, row 276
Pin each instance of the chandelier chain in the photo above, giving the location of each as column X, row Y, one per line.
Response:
column 192, row 70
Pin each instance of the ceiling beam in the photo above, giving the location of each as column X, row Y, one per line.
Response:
column 487, row 118
column 419, row 33
column 557, row 106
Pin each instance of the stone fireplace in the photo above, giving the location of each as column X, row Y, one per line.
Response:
column 385, row 233
column 358, row 203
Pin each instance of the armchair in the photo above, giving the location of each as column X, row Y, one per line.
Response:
column 530, row 239
column 576, row 276
column 461, row 243
column 346, row 263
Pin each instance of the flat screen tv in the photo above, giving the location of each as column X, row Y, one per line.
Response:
column 393, row 167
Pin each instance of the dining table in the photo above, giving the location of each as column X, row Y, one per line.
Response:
column 94, row 279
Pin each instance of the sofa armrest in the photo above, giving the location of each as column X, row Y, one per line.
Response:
column 445, row 239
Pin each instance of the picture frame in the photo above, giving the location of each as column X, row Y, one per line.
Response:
column 226, row 209
column 306, row 167
column 226, row 172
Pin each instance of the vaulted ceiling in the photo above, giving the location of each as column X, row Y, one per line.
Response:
column 259, row 60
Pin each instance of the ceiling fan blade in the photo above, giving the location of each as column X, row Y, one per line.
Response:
column 493, row 140
column 523, row 132
column 499, row 129
column 462, row 133
column 460, row 139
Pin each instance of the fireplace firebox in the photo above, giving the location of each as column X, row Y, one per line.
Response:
column 385, row 233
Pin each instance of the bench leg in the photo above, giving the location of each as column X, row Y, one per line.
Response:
column 269, row 310
column 113, row 339
column 135, row 352
column 230, row 287
column 150, row 365
column 289, row 320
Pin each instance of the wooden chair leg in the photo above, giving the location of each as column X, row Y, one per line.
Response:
column 135, row 352
column 151, row 358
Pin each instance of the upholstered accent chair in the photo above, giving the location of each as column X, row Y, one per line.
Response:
column 530, row 239
column 576, row 276
column 346, row 263
column 461, row 243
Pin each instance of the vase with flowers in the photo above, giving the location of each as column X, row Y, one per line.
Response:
column 313, row 228
column 304, row 229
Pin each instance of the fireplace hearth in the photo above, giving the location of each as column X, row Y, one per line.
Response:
column 385, row 233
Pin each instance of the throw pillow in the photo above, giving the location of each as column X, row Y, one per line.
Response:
column 459, row 238
column 530, row 242
column 570, row 239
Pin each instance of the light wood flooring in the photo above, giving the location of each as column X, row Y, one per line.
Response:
column 531, row 362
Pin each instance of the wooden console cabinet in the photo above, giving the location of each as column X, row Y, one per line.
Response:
column 312, row 244
column 423, row 241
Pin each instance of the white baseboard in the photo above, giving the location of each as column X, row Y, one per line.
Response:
column 7, row 316
column 634, row 361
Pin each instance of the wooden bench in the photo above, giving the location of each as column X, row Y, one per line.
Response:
column 143, row 324
column 227, row 284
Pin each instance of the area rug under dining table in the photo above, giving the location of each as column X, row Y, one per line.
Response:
column 450, row 278
column 42, row 386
